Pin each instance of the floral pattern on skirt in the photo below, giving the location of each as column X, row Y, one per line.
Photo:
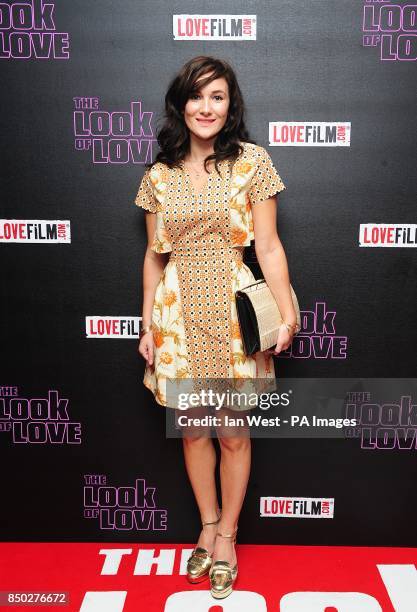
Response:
column 170, row 351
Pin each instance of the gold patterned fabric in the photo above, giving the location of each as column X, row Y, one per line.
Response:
column 194, row 318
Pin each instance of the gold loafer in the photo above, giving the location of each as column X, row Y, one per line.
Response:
column 222, row 575
column 199, row 563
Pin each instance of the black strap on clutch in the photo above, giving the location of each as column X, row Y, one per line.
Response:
column 248, row 323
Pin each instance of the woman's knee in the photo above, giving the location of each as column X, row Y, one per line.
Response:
column 197, row 438
column 234, row 444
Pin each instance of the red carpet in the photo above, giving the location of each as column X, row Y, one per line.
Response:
column 271, row 578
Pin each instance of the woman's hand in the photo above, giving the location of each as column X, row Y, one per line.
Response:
column 145, row 347
column 284, row 340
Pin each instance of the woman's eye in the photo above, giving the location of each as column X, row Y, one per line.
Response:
column 197, row 96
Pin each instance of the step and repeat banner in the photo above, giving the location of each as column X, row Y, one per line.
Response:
column 330, row 93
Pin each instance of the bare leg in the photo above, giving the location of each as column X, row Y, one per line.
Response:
column 200, row 462
column 234, row 476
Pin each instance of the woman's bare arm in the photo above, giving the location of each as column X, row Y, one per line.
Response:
column 271, row 256
column 153, row 267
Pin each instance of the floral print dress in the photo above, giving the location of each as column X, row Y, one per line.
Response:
column 194, row 319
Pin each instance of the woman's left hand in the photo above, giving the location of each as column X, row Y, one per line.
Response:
column 285, row 338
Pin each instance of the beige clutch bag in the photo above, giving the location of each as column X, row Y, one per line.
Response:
column 259, row 316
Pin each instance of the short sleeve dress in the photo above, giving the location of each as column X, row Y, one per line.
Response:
column 194, row 319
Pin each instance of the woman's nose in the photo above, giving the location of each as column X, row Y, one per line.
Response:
column 206, row 106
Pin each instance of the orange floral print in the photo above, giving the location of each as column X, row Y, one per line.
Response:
column 166, row 358
column 158, row 338
column 243, row 167
column 235, row 330
column 239, row 236
column 170, row 298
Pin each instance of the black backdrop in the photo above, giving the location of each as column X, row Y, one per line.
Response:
column 308, row 63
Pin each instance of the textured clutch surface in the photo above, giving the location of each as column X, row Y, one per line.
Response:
column 259, row 316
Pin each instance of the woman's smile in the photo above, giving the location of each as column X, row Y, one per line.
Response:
column 206, row 121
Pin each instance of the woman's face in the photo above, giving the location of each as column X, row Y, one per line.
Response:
column 205, row 112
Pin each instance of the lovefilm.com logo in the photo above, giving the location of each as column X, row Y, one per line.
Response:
column 112, row 326
column 389, row 235
column 230, row 28
column 296, row 507
column 35, row 231
column 309, row 133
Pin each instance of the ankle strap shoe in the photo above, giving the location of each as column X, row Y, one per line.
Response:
column 199, row 563
column 222, row 575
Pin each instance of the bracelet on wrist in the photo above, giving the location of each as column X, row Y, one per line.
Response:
column 291, row 328
column 145, row 329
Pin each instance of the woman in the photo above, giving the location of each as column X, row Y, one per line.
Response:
column 210, row 191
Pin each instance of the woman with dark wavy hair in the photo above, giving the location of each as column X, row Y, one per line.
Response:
column 209, row 192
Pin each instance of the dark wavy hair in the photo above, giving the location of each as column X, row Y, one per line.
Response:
column 174, row 138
